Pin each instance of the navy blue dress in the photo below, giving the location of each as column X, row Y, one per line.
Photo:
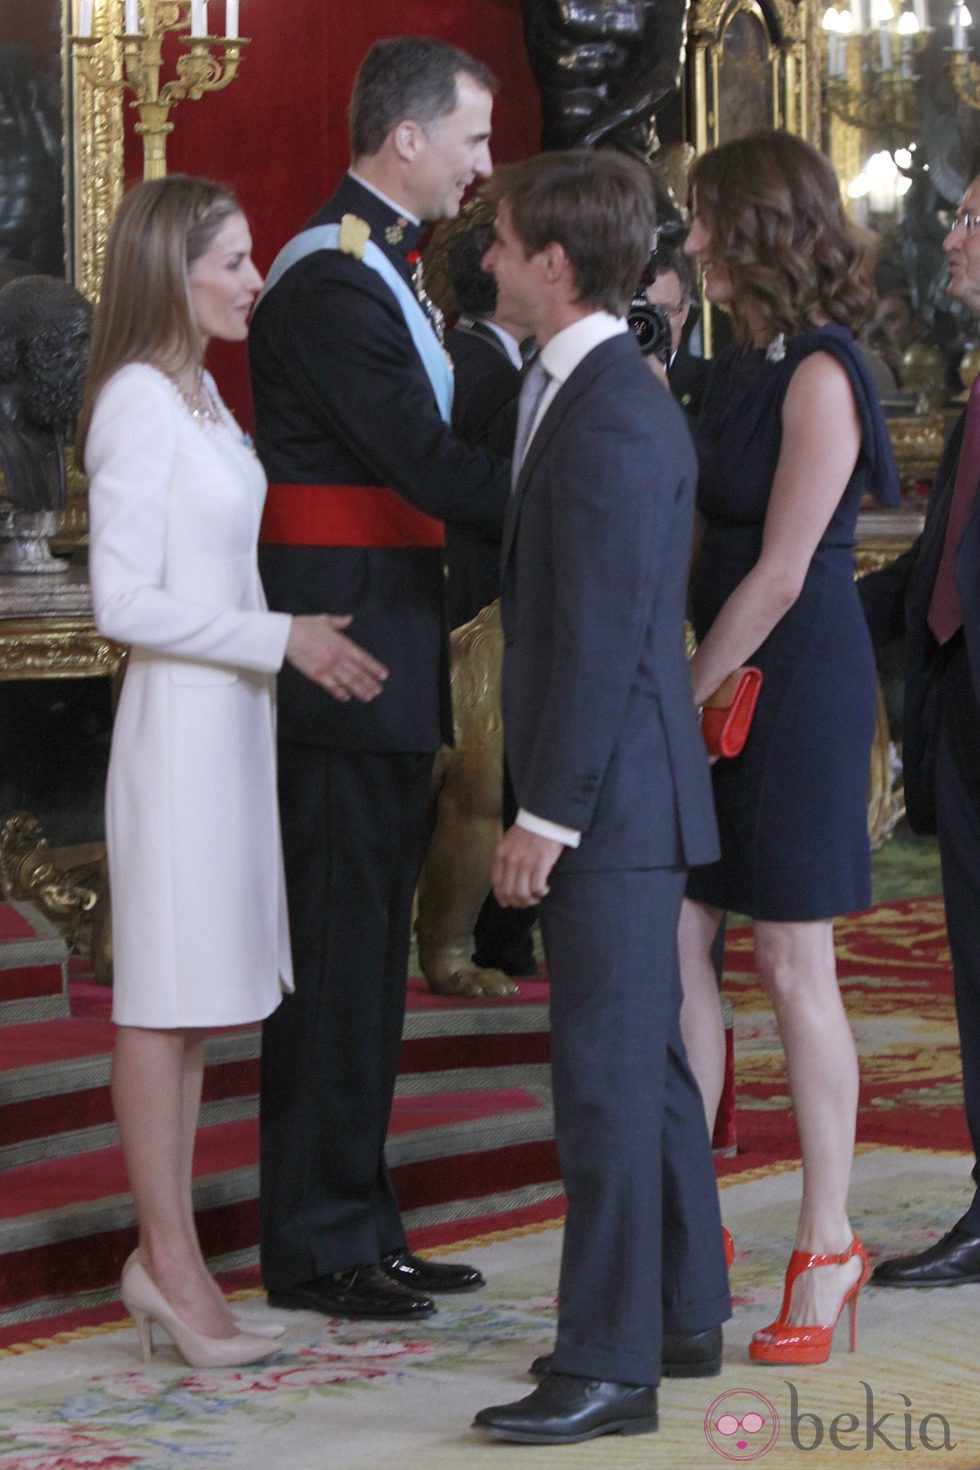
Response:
column 792, row 808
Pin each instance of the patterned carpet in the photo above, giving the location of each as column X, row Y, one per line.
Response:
column 349, row 1397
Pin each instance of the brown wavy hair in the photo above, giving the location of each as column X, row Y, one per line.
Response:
column 773, row 207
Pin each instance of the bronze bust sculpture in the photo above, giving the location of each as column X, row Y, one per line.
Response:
column 45, row 326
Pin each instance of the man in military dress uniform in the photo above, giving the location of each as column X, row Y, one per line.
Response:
column 353, row 393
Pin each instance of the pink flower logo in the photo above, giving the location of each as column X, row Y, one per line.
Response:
column 742, row 1425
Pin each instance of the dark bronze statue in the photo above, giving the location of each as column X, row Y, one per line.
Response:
column 603, row 68
column 31, row 211
column 44, row 338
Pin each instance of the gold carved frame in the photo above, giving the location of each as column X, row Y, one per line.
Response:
column 792, row 45
column 93, row 149
column 794, row 36
column 93, row 180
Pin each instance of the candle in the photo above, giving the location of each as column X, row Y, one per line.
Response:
column 85, row 17
column 959, row 33
column 886, row 49
column 199, row 18
column 231, row 19
column 131, row 23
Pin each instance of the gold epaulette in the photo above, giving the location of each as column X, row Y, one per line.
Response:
column 354, row 235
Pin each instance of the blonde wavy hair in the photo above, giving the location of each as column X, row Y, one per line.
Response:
column 773, row 208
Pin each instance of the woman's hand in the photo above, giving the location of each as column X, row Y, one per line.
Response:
column 318, row 648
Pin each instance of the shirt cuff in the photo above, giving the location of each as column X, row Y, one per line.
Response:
column 567, row 836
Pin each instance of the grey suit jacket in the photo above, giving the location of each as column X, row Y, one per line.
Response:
column 599, row 723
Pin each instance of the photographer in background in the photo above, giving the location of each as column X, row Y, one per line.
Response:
column 660, row 312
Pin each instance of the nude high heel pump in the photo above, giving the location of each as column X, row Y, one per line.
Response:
column 145, row 1303
column 259, row 1329
column 782, row 1342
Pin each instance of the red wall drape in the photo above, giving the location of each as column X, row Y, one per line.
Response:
column 278, row 134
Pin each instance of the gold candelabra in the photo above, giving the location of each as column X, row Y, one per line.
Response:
column 890, row 104
column 965, row 76
column 199, row 71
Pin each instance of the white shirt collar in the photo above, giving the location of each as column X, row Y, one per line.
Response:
column 566, row 349
column 398, row 208
column 562, row 355
column 510, row 344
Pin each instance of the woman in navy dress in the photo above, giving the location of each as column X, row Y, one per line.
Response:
column 789, row 440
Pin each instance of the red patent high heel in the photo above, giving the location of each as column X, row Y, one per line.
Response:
column 783, row 1342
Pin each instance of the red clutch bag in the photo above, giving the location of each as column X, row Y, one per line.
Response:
column 727, row 715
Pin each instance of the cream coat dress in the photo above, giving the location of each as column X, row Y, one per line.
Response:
column 200, row 932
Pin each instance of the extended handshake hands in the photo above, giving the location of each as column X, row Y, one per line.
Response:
column 318, row 648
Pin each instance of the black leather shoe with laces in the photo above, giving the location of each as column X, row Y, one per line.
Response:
column 361, row 1291
column 566, row 1409
column 419, row 1275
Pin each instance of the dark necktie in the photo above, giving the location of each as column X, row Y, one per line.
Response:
column 945, row 614
column 533, row 389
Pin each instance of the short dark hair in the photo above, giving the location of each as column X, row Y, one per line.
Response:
column 475, row 288
column 407, row 77
column 667, row 259
column 598, row 205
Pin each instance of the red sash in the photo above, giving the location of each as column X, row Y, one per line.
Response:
column 345, row 515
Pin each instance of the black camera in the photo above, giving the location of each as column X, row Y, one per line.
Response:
column 650, row 326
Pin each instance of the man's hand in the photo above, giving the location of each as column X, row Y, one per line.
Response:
column 319, row 650
column 521, row 866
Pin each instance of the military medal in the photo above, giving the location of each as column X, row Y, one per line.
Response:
column 436, row 319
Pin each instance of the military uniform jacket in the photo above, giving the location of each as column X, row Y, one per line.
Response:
column 342, row 399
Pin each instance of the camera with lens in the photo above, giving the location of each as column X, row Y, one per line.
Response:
column 650, row 326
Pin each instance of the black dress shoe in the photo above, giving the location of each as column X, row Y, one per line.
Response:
column 566, row 1409
column 685, row 1355
column 952, row 1261
column 419, row 1275
column 363, row 1291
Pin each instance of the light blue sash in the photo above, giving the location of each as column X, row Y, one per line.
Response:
column 427, row 345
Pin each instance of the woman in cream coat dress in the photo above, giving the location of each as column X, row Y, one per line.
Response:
column 199, row 912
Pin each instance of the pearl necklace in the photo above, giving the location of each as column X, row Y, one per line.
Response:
column 200, row 404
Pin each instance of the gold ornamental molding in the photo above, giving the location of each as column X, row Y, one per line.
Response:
column 791, row 58
column 918, row 441
column 56, row 648
column 94, row 143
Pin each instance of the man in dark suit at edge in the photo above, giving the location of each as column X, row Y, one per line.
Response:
column 353, row 394
column 612, row 782
column 932, row 594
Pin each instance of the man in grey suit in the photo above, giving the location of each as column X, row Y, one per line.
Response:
column 612, row 783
